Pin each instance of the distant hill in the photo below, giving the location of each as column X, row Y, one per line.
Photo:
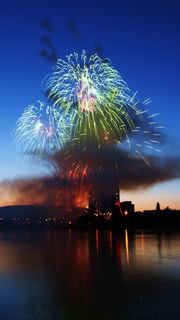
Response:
column 31, row 211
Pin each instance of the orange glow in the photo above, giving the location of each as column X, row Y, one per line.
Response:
column 82, row 198
column 110, row 240
column 24, row 192
column 82, row 255
column 127, row 246
column 97, row 241
column 142, row 243
column 166, row 193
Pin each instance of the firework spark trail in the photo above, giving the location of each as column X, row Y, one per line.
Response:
column 91, row 109
column 145, row 139
column 99, row 101
column 41, row 130
column 90, row 103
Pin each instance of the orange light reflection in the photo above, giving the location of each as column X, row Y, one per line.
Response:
column 127, row 246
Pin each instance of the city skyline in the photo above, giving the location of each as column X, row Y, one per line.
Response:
column 151, row 67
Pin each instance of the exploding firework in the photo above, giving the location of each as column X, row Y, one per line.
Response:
column 92, row 113
column 90, row 104
column 41, row 130
column 144, row 140
column 99, row 102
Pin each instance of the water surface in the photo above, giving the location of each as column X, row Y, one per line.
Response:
column 74, row 275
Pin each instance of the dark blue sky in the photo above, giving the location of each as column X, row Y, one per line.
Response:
column 140, row 37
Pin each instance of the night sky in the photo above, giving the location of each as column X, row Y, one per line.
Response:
column 141, row 38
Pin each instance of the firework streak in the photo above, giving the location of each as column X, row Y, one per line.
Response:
column 89, row 107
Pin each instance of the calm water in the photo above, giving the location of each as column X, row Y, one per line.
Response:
column 72, row 275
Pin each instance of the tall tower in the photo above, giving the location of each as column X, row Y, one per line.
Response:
column 158, row 208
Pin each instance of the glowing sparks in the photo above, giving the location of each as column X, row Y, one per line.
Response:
column 86, row 95
column 94, row 94
column 40, row 130
column 90, row 104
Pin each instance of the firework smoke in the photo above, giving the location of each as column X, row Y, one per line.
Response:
column 57, row 190
column 84, row 130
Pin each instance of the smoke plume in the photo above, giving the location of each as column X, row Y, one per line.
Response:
column 106, row 170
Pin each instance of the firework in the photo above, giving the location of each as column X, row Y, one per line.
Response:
column 41, row 130
column 90, row 106
column 84, row 132
column 145, row 138
column 99, row 102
